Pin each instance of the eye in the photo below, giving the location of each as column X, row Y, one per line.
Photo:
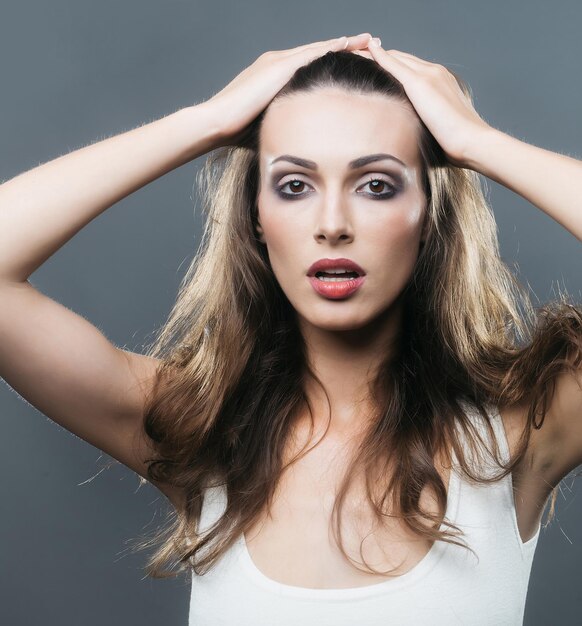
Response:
column 296, row 185
column 377, row 184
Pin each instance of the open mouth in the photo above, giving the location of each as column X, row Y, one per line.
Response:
column 336, row 276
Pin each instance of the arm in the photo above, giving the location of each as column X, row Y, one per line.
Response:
column 40, row 210
column 553, row 183
column 54, row 358
column 550, row 181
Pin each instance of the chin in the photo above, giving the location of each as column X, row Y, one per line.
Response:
column 335, row 322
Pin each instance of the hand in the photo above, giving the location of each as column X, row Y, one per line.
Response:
column 252, row 90
column 437, row 97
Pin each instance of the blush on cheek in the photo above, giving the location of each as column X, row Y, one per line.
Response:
column 412, row 211
column 399, row 233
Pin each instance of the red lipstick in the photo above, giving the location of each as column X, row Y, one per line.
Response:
column 336, row 278
column 335, row 264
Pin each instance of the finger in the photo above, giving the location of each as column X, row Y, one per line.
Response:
column 406, row 56
column 339, row 43
column 363, row 53
column 403, row 57
column 358, row 41
column 395, row 64
column 415, row 63
column 346, row 43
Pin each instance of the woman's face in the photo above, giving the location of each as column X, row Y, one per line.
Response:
column 327, row 208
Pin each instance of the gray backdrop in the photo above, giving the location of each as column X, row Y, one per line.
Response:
column 74, row 71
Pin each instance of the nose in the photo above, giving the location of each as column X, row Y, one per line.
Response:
column 333, row 220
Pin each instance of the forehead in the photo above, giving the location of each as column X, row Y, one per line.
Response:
column 332, row 126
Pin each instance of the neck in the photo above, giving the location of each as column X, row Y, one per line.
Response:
column 346, row 362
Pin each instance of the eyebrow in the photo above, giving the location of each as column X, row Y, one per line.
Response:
column 353, row 165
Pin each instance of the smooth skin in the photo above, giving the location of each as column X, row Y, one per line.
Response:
column 54, row 358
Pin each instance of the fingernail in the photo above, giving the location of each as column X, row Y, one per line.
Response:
column 375, row 41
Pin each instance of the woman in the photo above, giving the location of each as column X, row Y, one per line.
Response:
column 346, row 380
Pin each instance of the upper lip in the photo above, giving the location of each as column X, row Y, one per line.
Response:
column 335, row 264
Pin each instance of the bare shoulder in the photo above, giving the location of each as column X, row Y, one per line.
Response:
column 66, row 368
column 562, row 444
column 144, row 371
column 549, row 455
column 514, row 418
column 553, row 451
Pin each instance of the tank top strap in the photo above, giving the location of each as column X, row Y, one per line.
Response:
column 213, row 506
column 486, row 450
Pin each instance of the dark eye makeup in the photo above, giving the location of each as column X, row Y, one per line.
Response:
column 374, row 181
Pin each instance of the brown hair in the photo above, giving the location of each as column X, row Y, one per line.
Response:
column 233, row 361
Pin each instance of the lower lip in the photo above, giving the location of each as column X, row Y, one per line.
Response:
column 336, row 289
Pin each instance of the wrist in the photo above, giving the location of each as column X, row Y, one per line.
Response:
column 205, row 128
column 477, row 154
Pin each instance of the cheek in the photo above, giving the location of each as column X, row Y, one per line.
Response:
column 284, row 240
column 397, row 232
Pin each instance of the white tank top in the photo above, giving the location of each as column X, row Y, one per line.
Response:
column 447, row 587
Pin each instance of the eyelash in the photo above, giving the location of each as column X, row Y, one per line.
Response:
column 376, row 196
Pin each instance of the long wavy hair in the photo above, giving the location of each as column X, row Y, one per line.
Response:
column 233, row 362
